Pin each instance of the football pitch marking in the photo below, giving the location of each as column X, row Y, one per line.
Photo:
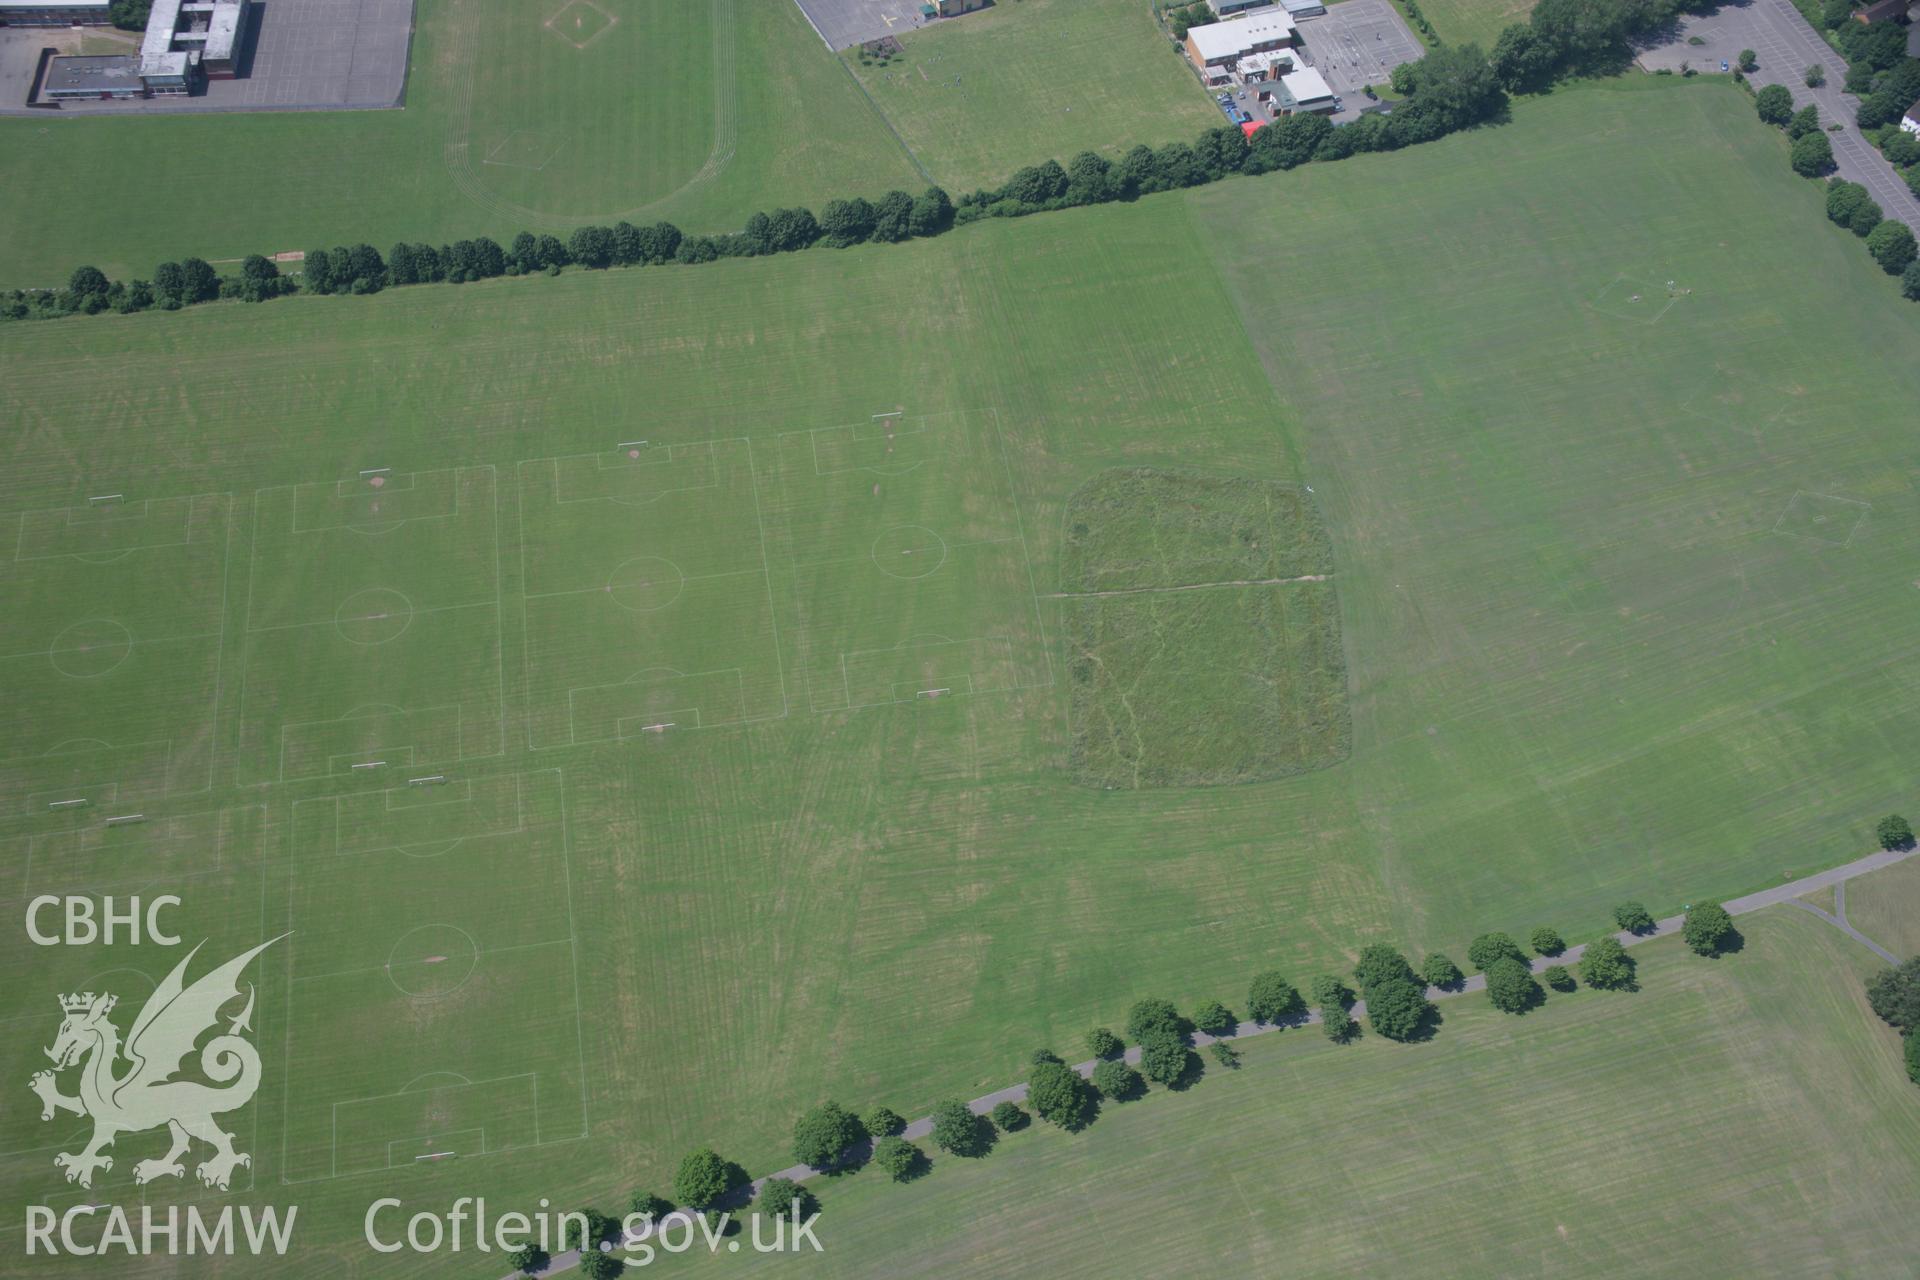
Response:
column 450, row 513
column 370, row 1132
column 1630, row 298
column 909, row 551
column 525, row 149
column 690, row 558
column 953, row 538
column 183, row 632
column 586, row 27
column 1826, row 518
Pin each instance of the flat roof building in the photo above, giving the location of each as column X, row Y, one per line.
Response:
column 188, row 39
column 1223, row 43
column 55, row 13
column 1308, row 89
column 1233, row 8
column 75, row 78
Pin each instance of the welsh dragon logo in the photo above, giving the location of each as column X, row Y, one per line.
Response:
column 148, row 1094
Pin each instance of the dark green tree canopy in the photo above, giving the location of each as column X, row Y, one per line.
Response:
column 897, row 1158
column 1165, row 1057
column 1271, row 998
column 1154, row 1015
column 1894, row 995
column 1102, row 1043
column 823, row 1134
column 1892, row 246
column 1439, row 971
column 1633, row 917
column 1546, row 941
column 1774, row 104
column 1214, row 1018
column 1117, row 1081
column 1511, row 986
column 1707, row 928
column 956, row 1130
column 1811, row 156
column 780, row 1196
column 1606, row 965
column 598, row 1265
column 1397, row 1008
column 1380, row 964
column 703, row 1178
column 883, row 1122
column 1059, row 1095
column 1484, row 950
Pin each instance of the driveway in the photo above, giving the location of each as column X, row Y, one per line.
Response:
column 1787, row 46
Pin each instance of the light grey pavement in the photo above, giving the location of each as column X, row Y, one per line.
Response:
column 304, row 55
column 1749, row 903
column 1838, row 919
column 843, row 24
column 1355, row 44
column 1786, row 47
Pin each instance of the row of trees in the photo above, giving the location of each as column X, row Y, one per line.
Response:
column 174, row 285
column 1848, row 203
column 1894, row 996
column 1451, row 88
column 830, row 1138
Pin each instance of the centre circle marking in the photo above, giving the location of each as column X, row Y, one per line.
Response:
column 432, row 960
column 909, row 551
column 374, row 615
column 646, row 583
column 90, row 648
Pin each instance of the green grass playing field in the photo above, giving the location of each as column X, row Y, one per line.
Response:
column 516, row 118
column 1624, row 603
column 1015, row 84
column 1474, row 21
column 1695, row 1127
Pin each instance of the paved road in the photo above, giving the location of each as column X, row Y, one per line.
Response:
column 1785, row 893
column 1838, row 919
column 1787, row 46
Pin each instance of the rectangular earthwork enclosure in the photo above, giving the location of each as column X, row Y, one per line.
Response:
column 431, row 918
column 373, row 626
column 646, row 593
column 900, row 541
column 109, row 676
